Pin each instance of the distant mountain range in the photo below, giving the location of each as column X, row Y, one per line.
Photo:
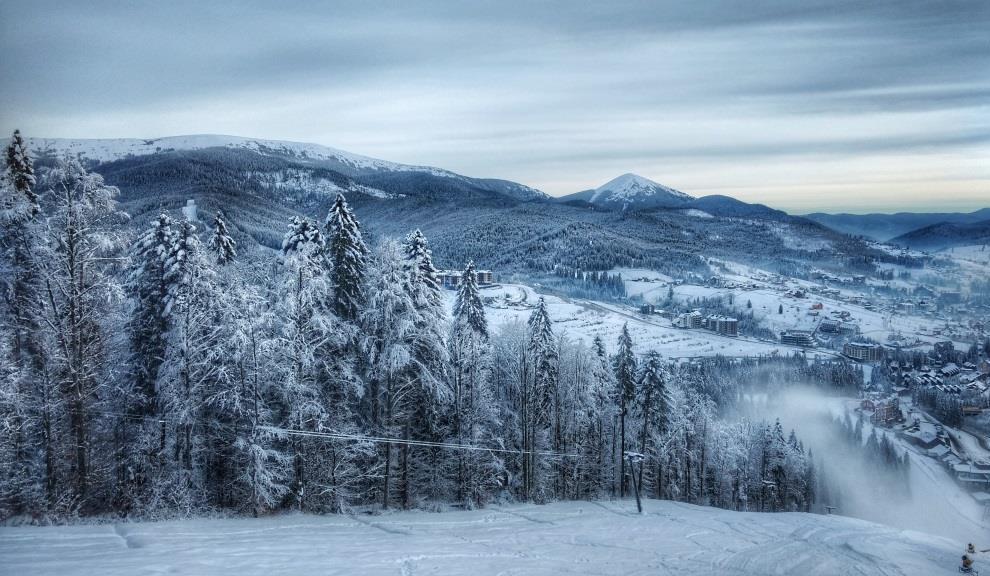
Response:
column 884, row 227
column 946, row 235
column 634, row 192
column 630, row 221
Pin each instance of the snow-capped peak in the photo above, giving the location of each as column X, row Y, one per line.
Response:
column 632, row 188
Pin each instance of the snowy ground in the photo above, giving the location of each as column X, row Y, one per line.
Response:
column 585, row 319
column 565, row 538
column 976, row 254
column 768, row 293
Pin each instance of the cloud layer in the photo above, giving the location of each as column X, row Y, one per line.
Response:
column 801, row 105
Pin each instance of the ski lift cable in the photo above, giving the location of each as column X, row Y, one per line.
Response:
column 358, row 437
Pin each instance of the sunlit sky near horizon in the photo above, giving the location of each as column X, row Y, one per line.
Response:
column 801, row 105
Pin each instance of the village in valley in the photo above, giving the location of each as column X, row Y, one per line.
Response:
column 919, row 334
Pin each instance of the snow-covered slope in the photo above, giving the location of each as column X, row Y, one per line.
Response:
column 564, row 538
column 632, row 188
column 108, row 150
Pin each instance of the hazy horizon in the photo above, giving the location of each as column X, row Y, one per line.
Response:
column 802, row 107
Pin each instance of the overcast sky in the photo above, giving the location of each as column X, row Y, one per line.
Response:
column 797, row 104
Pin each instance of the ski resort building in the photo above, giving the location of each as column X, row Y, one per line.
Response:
column 693, row 319
column 977, row 473
column 863, row 351
column 723, row 325
column 452, row 278
column 797, row 338
column 885, row 411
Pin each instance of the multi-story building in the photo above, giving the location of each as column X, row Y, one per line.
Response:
column 452, row 278
column 797, row 338
column 723, row 325
column 863, row 351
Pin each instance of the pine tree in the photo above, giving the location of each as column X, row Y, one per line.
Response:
column 27, row 388
column 316, row 380
column 20, row 170
column 429, row 399
column 303, row 237
column 602, row 411
column 253, row 466
column 389, row 326
column 148, row 325
column 432, row 326
column 544, row 357
column 189, row 368
column 348, row 255
column 469, row 310
column 221, row 244
column 625, row 394
column 653, row 401
column 474, row 420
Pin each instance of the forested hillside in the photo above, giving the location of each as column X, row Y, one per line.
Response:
column 162, row 373
column 499, row 224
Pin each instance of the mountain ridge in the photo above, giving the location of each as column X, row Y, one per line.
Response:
column 883, row 227
column 944, row 235
column 103, row 150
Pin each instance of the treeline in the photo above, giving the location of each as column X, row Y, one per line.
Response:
column 595, row 284
column 160, row 376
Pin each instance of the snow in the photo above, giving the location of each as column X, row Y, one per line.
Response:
column 190, row 211
column 106, row 150
column 695, row 213
column 975, row 254
column 573, row 537
column 585, row 319
column 631, row 186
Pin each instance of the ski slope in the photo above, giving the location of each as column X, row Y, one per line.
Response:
column 565, row 538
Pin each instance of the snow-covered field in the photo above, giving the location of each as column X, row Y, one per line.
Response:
column 566, row 538
column 584, row 319
column 976, row 254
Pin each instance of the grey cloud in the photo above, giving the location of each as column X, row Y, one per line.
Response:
column 495, row 88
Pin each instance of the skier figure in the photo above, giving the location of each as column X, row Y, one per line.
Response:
column 970, row 549
column 967, row 564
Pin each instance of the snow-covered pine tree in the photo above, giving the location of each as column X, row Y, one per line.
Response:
column 251, row 464
column 189, row 371
column 26, row 386
column 147, row 330
column 774, row 467
column 148, row 325
column 544, row 357
column 20, row 170
column 221, row 244
column 473, row 419
column 625, row 395
column 469, row 310
column 303, row 238
column 316, row 382
column 348, row 256
column 430, row 398
column 389, row 338
column 653, row 408
column 600, row 453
